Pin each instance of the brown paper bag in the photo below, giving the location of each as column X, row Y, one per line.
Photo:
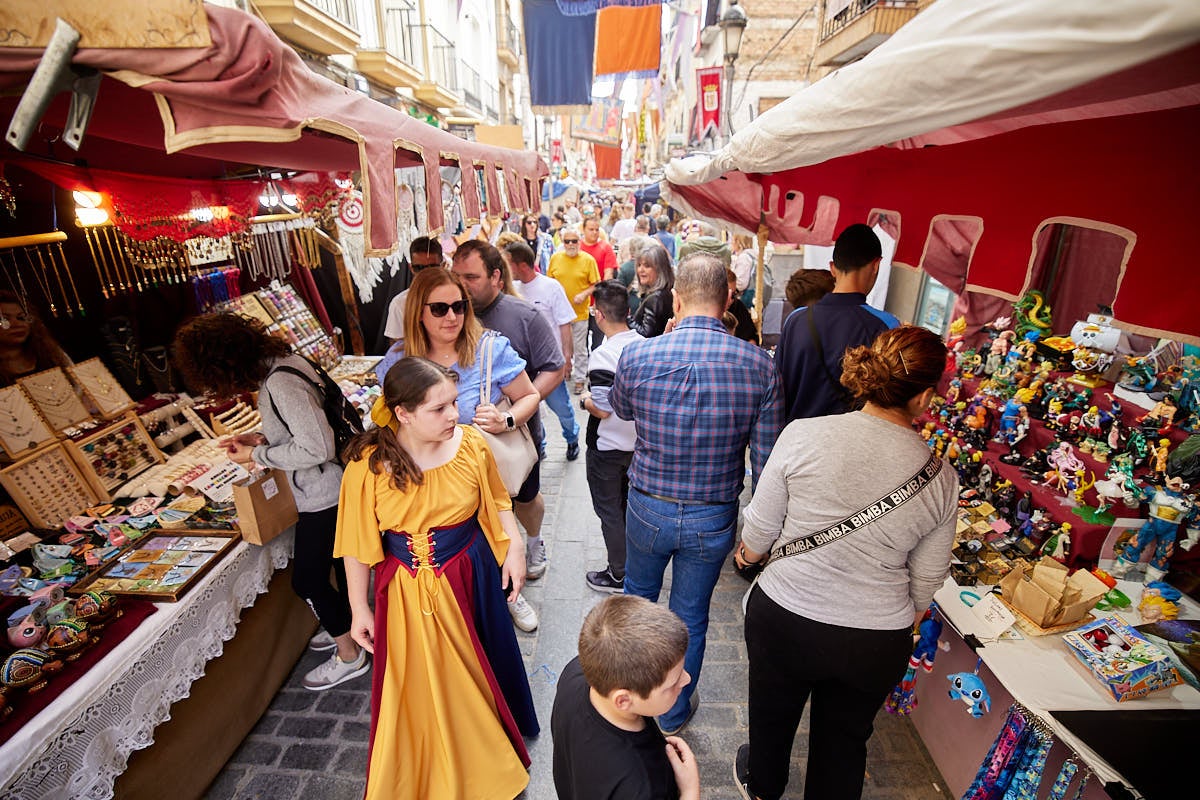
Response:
column 265, row 506
column 1084, row 590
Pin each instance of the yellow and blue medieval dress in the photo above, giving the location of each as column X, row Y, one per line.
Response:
column 450, row 699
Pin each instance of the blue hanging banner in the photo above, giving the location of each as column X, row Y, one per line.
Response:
column 560, row 51
column 581, row 8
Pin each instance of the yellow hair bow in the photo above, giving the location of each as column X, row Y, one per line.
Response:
column 382, row 416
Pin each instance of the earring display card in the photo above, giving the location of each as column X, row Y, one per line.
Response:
column 48, row 487
column 110, row 397
column 22, row 429
column 114, row 455
column 55, row 398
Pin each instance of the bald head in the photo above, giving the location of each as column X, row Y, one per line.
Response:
column 700, row 286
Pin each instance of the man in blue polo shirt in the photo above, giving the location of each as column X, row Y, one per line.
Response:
column 814, row 339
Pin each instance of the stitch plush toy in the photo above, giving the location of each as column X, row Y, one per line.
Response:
column 968, row 687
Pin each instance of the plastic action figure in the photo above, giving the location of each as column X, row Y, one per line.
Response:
column 1168, row 508
column 1058, row 544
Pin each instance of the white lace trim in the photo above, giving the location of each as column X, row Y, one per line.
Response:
column 114, row 709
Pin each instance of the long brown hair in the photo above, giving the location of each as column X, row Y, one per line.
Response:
column 416, row 339
column 406, row 384
column 899, row 365
column 40, row 342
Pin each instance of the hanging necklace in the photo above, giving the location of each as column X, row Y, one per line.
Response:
column 17, row 417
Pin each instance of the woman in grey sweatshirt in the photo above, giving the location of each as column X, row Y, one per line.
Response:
column 859, row 521
column 226, row 355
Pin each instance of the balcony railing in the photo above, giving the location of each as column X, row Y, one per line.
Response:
column 402, row 34
column 512, row 36
column 491, row 99
column 855, row 10
column 472, row 89
column 443, row 66
column 343, row 11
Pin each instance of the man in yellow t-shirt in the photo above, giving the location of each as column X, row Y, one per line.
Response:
column 578, row 274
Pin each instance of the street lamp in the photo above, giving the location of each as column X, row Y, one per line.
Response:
column 733, row 24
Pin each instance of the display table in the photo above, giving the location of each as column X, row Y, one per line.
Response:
column 81, row 742
column 1038, row 672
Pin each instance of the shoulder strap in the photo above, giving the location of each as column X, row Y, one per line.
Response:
column 886, row 504
column 485, row 355
column 847, row 398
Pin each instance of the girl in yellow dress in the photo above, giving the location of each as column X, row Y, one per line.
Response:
column 423, row 504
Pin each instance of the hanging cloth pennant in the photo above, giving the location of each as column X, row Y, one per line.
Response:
column 559, row 51
column 628, row 41
column 579, row 8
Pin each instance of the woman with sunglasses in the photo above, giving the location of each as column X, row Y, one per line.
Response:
column 440, row 325
column 540, row 243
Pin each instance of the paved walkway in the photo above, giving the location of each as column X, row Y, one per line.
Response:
column 314, row 745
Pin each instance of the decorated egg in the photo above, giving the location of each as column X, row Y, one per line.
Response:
column 68, row 636
column 27, row 669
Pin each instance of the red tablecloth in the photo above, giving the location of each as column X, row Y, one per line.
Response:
column 26, row 705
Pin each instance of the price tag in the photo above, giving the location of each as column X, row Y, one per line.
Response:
column 270, row 488
column 992, row 618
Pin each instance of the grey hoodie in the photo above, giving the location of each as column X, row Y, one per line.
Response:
column 304, row 447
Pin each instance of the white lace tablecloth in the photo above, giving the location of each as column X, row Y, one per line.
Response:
column 78, row 745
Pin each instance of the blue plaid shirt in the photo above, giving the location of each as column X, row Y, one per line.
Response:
column 697, row 397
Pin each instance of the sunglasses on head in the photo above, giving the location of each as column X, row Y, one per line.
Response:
column 441, row 309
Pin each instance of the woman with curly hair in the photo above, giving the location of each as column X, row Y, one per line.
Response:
column 226, row 355
column 858, row 519
column 423, row 506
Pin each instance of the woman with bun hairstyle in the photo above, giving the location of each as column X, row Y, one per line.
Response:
column 857, row 520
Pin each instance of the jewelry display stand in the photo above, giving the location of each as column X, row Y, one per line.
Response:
column 103, row 387
column 51, row 391
column 237, row 420
column 114, row 455
column 22, row 429
column 48, row 487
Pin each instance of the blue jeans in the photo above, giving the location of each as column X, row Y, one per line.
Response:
column 698, row 537
column 560, row 403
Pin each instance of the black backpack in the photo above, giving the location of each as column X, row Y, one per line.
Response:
column 339, row 411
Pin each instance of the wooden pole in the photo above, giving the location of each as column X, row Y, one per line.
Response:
column 330, row 245
column 758, row 279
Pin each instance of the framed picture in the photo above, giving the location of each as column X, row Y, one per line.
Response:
column 163, row 566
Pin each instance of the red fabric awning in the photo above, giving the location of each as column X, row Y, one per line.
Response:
column 249, row 100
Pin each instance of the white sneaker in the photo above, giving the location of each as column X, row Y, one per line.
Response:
column 335, row 671
column 322, row 641
column 524, row 617
column 535, row 560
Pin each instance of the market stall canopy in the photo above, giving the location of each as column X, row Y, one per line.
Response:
column 974, row 126
column 248, row 99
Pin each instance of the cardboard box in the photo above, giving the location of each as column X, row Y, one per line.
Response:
column 265, row 506
column 1123, row 660
column 1048, row 596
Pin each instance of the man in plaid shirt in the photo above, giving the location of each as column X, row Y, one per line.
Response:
column 698, row 397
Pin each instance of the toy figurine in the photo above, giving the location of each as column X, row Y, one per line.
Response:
column 1159, row 601
column 903, row 698
column 1058, row 543
column 1032, row 315
column 968, row 687
column 1168, row 508
column 1159, row 419
column 1090, row 423
column 1158, row 460
column 1138, row 374
column 1137, row 447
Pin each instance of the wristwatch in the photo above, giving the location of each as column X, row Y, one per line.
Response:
column 510, row 422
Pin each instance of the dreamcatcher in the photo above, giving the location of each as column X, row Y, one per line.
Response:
column 366, row 272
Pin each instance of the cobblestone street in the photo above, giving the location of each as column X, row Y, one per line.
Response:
column 314, row 745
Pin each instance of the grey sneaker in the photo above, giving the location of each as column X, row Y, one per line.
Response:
column 741, row 772
column 523, row 615
column 322, row 641
column 535, row 560
column 335, row 671
column 603, row 581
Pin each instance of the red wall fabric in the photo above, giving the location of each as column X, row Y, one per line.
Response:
column 1125, row 171
column 608, row 162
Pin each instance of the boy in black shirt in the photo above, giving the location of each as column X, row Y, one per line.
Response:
column 628, row 671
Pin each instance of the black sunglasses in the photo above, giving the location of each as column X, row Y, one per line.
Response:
column 440, row 309
column 570, row 241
